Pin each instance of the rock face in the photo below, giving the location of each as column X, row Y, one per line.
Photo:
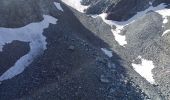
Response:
column 74, row 67
column 17, row 13
column 119, row 10
column 11, row 53
column 156, row 2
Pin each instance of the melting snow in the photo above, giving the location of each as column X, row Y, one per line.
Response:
column 121, row 39
column 161, row 9
column 164, row 12
column 165, row 20
column 107, row 52
column 30, row 33
column 76, row 4
column 145, row 69
column 58, row 6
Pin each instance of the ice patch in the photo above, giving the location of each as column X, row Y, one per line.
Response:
column 58, row 6
column 145, row 69
column 107, row 52
column 76, row 4
column 30, row 33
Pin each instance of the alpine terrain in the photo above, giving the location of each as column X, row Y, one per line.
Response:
column 84, row 49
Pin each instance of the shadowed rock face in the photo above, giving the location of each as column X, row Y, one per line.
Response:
column 156, row 2
column 11, row 53
column 17, row 13
column 119, row 10
column 73, row 67
column 126, row 9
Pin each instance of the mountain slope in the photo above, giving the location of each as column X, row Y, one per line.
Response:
column 88, row 50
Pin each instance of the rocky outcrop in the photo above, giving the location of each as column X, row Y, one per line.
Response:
column 11, row 53
column 17, row 13
column 119, row 10
column 74, row 65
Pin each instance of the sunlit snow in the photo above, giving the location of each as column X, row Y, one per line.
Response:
column 76, row 4
column 107, row 52
column 121, row 39
column 165, row 12
column 30, row 33
column 167, row 31
column 58, row 6
column 145, row 69
column 161, row 9
column 165, row 20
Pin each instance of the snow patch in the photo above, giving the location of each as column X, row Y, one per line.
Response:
column 30, row 33
column 165, row 20
column 167, row 31
column 58, row 6
column 94, row 16
column 107, row 52
column 76, row 4
column 165, row 12
column 145, row 69
column 121, row 39
column 161, row 9
column 150, row 3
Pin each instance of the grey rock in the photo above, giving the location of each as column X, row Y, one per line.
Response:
column 71, row 48
column 104, row 79
column 81, row 74
column 111, row 65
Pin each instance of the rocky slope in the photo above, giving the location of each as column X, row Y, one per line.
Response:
column 119, row 10
column 88, row 50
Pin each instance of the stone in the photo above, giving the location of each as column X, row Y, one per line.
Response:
column 71, row 48
column 104, row 79
column 111, row 65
